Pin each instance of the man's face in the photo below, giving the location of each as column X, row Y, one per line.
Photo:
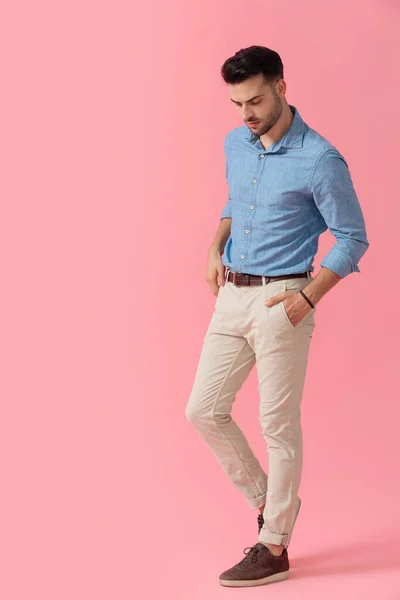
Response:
column 259, row 104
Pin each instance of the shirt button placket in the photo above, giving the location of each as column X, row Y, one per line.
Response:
column 247, row 231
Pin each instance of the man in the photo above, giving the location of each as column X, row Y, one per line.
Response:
column 287, row 185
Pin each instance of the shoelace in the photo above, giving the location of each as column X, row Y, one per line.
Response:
column 251, row 555
column 260, row 521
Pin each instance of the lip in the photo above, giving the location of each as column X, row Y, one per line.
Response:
column 254, row 124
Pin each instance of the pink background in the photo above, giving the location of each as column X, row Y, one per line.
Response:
column 112, row 184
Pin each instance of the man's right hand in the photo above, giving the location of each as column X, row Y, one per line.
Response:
column 215, row 271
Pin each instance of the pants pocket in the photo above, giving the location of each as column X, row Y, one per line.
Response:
column 296, row 285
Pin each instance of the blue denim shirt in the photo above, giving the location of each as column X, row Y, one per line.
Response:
column 281, row 199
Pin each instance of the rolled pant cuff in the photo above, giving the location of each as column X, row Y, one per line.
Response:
column 257, row 502
column 278, row 539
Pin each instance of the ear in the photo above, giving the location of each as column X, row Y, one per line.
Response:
column 281, row 88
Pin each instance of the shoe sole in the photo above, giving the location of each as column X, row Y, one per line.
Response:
column 297, row 509
column 252, row 582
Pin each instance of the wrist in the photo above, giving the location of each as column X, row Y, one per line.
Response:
column 215, row 249
column 311, row 295
column 306, row 299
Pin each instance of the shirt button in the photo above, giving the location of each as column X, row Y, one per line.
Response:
column 247, row 231
column 251, row 207
column 254, row 180
column 242, row 256
column 262, row 155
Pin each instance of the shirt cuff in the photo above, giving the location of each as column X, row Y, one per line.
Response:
column 340, row 263
column 226, row 213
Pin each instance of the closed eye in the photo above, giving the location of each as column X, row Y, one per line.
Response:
column 251, row 103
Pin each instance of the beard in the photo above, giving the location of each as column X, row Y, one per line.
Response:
column 267, row 123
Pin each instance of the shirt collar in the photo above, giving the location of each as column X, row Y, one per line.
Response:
column 292, row 138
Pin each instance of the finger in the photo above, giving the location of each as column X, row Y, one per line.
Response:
column 276, row 299
column 214, row 288
column 221, row 275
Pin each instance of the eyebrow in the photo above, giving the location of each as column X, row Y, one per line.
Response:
column 253, row 98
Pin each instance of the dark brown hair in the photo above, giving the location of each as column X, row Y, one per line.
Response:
column 252, row 61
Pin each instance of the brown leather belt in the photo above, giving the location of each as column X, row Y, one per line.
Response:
column 248, row 279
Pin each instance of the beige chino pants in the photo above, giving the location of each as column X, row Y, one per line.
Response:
column 243, row 332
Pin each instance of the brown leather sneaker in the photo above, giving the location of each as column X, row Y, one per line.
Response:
column 258, row 567
column 260, row 521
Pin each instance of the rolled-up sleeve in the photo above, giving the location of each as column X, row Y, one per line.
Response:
column 226, row 212
column 335, row 197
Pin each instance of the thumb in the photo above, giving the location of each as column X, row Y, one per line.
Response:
column 275, row 299
column 221, row 275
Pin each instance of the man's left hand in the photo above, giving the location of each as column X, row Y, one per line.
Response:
column 295, row 305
